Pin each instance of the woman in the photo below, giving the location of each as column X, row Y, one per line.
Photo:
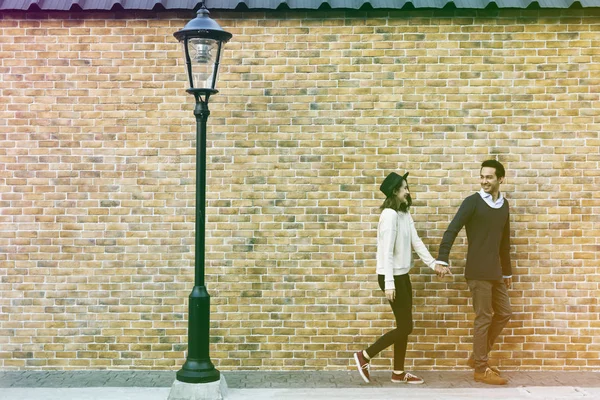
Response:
column 396, row 234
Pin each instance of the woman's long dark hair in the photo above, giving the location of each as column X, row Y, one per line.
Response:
column 394, row 202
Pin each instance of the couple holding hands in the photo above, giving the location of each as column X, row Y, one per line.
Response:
column 485, row 215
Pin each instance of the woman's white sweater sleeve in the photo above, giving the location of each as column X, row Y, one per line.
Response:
column 388, row 229
column 419, row 246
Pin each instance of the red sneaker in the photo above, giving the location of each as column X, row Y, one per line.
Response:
column 406, row 377
column 362, row 365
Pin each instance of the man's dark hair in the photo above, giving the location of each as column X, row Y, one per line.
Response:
column 496, row 165
column 396, row 204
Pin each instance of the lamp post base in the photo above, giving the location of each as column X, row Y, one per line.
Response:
column 199, row 391
column 198, row 371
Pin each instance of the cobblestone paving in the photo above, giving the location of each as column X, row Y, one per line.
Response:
column 258, row 379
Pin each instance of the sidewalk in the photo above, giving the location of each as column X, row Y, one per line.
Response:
column 330, row 385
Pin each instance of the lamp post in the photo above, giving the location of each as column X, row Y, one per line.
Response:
column 203, row 40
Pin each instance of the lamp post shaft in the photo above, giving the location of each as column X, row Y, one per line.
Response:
column 198, row 368
column 201, row 112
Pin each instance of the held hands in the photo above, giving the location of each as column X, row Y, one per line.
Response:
column 442, row 270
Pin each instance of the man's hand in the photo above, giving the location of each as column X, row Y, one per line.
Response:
column 442, row 270
column 390, row 294
column 508, row 282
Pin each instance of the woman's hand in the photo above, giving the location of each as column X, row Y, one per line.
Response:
column 390, row 294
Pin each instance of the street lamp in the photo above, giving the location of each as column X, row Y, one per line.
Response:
column 203, row 41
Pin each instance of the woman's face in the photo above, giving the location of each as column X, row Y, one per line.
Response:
column 402, row 193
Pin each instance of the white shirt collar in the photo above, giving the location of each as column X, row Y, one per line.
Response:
column 488, row 199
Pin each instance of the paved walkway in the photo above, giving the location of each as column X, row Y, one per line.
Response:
column 330, row 385
column 286, row 380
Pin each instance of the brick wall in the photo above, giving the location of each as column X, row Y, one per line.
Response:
column 97, row 171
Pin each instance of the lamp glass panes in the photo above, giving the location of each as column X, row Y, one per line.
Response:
column 202, row 55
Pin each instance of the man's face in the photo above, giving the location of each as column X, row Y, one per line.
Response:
column 403, row 192
column 489, row 182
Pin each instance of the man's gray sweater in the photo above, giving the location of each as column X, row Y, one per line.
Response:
column 488, row 235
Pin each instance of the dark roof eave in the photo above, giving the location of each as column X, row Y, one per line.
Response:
column 95, row 5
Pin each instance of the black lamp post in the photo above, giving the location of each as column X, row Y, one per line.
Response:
column 203, row 41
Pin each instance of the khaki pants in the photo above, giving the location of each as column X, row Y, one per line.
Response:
column 492, row 312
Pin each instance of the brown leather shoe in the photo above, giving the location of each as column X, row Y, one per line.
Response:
column 471, row 364
column 489, row 377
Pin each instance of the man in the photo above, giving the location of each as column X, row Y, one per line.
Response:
column 488, row 272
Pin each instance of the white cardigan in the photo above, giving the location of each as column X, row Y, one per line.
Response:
column 395, row 234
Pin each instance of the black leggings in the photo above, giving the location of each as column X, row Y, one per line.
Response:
column 402, row 308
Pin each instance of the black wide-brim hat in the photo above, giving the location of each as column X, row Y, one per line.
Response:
column 392, row 181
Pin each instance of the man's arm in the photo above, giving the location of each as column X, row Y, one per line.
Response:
column 460, row 219
column 505, row 250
